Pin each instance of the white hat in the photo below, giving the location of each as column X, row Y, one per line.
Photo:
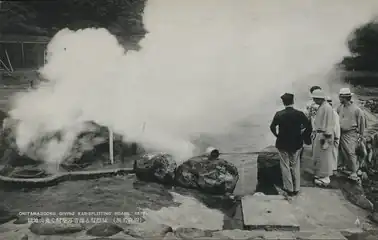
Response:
column 318, row 93
column 329, row 99
column 345, row 92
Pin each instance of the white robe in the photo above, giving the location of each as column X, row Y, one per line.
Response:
column 336, row 131
column 324, row 125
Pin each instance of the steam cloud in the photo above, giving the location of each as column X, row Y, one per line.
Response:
column 204, row 66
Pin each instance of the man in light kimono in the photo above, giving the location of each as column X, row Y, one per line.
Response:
column 324, row 126
column 337, row 136
column 353, row 124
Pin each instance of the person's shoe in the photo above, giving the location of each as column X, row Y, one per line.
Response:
column 354, row 177
column 295, row 193
column 322, row 182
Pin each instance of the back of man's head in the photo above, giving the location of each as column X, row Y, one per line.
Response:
column 287, row 99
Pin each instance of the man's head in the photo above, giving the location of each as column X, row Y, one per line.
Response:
column 345, row 95
column 287, row 99
column 318, row 96
column 313, row 88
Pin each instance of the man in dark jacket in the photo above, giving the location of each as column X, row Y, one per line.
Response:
column 291, row 124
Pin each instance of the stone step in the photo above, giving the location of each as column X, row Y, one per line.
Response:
column 276, row 235
column 268, row 212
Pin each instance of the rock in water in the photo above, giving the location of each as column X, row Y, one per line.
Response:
column 210, row 176
column 159, row 167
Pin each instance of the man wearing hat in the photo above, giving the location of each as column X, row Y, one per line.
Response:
column 352, row 124
column 324, row 125
column 337, row 135
column 311, row 106
column 289, row 142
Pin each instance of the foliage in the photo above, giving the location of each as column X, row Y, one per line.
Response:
column 363, row 46
column 121, row 17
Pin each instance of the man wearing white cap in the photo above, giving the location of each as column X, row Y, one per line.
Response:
column 312, row 107
column 337, row 135
column 324, row 126
column 352, row 124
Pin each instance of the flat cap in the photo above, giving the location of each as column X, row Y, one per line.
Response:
column 287, row 96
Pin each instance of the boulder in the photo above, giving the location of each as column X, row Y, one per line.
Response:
column 268, row 171
column 353, row 192
column 91, row 145
column 192, row 233
column 21, row 220
column 104, row 230
column 6, row 214
column 371, row 105
column 9, row 152
column 210, row 176
column 55, row 229
column 148, row 230
column 156, row 167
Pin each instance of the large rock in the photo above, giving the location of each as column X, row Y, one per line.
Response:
column 104, row 230
column 91, row 145
column 268, row 171
column 10, row 155
column 192, row 233
column 55, row 229
column 210, row 176
column 147, row 230
column 156, row 167
column 371, row 105
column 6, row 214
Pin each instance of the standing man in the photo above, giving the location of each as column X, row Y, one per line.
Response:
column 353, row 124
column 336, row 133
column 324, row 126
column 289, row 142
column 312, row 107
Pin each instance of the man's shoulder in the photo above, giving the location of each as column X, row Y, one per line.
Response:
column 327, row 106
column 359, row 109
column 280, row 112
column 297, row 111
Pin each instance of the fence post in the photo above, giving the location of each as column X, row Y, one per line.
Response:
column 111, row 148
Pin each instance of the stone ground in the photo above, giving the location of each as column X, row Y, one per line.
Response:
column 36, row 231
column 316, row 210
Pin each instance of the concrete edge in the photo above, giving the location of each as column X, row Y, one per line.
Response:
column 55, row 179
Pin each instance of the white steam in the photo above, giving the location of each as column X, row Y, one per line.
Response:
column 205, row 65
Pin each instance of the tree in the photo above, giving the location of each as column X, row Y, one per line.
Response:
column 363, row 46
column 121, row 17
column 18, row 18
